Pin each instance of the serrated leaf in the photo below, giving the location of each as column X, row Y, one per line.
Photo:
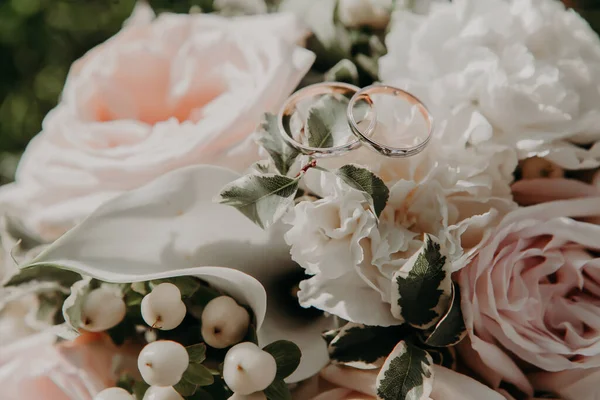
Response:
column 287, row 356
column 45, row 272
column 197, row 353
column 199, row 375
column 72, row 307
column 327, row 120
column 278, row 390
column 451, row 327
column 263, row 199
column 185, row 388
column 364, row 346
column 269, row 138
column 422, row 287
column 367, row 182
column 406, row 374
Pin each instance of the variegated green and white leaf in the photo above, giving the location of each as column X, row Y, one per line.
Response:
column 264, row 199
column 451, row 328
column 422, row 287
column 375, row 190
column 363, row 346
column 269, row 138
column 407, row 374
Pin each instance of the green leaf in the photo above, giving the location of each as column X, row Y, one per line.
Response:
column 133, row 298
column 140, row 287
column 278, row 390
column 187, row 285
column 444, row 356
column 185, row 388
column 199, row 375
column 72, row 307
column 326, row 118
column 45, row 272
column 362, row 345
column 287, row 356
column 406, row 374
column 451, row 328
column 251, row 336
column 367, row 182
column 269, row 138
column 263, row 199
column 139, row 389
column 422, row 287
column 343, row 71
column 197, row 353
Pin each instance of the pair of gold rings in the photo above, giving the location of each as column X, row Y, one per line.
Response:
column 362, row 137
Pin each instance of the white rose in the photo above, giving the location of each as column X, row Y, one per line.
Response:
column 374, row 13
column 160, row 95
column 529, row 66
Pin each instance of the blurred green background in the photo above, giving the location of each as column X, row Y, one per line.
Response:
column 39, row 39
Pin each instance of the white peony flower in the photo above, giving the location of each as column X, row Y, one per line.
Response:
column 356, row 13
column 529, row 66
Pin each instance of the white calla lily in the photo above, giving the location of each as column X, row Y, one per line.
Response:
column 171, row 227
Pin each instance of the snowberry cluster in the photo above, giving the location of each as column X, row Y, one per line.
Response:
column 247, row 369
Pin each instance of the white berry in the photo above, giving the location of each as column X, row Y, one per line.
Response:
column 102, row 309
column 162, row 308
column 162, row 393
column 224, row 322
column 162, row 363
column 252, row 396
column 114, row 393
column 248, row 369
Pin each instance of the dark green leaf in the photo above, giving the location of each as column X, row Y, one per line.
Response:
column 406, row 374
column 269, row 138
column 199, row 375
column 287, row 356
column 356, row 343
column 185, row 388
column 202, row 394
column 278, row 390
column 187, row 285
column 367, row 182
column 139, row 389
column 326, row 117
column 133, row 298
column 203, row 296
column 264, row 199
column 451, row 328
column 444, row 356
column 422, row 286
column 251, row 336
column 44, row 272
column 197, row 353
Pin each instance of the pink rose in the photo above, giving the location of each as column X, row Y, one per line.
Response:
column 161, row 94
column 35, row 368
column 344, row 383
column 530, row 297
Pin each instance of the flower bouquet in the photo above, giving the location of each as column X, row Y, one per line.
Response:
column 313, row 199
